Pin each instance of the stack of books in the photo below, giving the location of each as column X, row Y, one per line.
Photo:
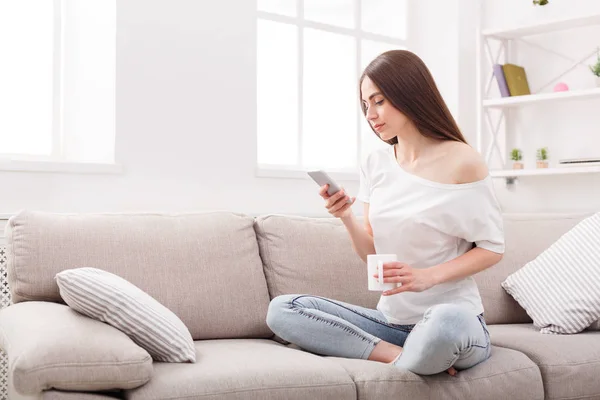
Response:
column 512, row 80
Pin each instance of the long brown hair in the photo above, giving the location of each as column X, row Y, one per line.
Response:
column 405, row 81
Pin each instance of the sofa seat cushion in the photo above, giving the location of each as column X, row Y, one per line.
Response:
column 507, row 374
column 247, row 369
column 570, row 364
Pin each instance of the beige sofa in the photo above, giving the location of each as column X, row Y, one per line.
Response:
column 218, row 271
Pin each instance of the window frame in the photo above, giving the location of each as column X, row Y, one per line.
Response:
column 358, row 35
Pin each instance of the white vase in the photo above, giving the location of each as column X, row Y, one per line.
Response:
column 598, row 81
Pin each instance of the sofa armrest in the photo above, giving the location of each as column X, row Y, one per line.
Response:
column 49, row 345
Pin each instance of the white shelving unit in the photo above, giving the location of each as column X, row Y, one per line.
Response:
column 511, row 174
column 514, row 173
column 486, row 79
column 517, row 32
column 517, row 101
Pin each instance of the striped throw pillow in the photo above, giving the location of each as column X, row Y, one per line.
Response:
column 560, row 289
column 111, row 299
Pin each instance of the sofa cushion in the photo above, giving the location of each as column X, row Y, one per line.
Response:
column 312, row 256
column 526, row 236
column 50, row 345
column 193, row 264
column 570, row 364
column 507, row 374
column 560, row 289
column 247, row 369
column 111, row 299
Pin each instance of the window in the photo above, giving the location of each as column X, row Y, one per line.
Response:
column 57, row 79
column 310, row 54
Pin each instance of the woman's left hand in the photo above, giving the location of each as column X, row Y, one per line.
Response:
column 412, row 279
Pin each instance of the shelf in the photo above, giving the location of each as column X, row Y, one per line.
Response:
column 514, row 173
column 542, row 27
column 515, row 101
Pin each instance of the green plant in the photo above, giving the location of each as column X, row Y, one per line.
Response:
column 596, row 67
column 542, row 154
column 516, row 155
column 540, row 2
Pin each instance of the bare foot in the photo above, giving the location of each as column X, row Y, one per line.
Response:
column 389, row 353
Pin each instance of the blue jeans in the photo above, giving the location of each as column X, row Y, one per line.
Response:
column 447, row 336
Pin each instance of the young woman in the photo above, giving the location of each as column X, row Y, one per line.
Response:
column 428, row 198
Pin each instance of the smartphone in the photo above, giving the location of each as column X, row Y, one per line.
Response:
column 322, row 178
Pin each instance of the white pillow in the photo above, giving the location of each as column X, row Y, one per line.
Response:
column 560, row 289
column 111, row 299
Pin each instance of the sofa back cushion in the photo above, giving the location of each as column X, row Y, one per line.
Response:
column 526, row 236
column 315, row 256
column 304, row 255
column 204, row 267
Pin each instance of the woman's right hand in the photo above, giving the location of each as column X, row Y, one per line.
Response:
column 337, row 204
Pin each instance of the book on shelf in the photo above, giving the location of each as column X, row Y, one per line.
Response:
column 499, row 75
column 579, row 161
column 516, row 79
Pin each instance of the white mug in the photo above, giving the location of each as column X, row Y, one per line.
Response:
column 375, row 267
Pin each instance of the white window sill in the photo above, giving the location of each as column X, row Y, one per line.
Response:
column 263, row 171
column 60, row 166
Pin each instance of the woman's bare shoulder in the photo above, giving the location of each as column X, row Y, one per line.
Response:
column 467, row 163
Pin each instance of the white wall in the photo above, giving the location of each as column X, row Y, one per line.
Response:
column 434, row 37
column 186, row 121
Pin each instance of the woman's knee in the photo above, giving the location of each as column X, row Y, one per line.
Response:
column 277, row 309
column 446, row 324
column 447, row 315
column 437, row 340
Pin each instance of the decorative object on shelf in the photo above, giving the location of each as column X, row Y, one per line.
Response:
column 516, row 156
column 540, row 2
column 561, row 87
column 516, row 79
column 542, row 157
column 596, row 69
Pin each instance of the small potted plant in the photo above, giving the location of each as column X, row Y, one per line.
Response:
column 516, row 156
column 540, row 2
column 542, row 158
column 596, row 69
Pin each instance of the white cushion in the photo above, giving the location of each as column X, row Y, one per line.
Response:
column 560, row 289
column 109, row 298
